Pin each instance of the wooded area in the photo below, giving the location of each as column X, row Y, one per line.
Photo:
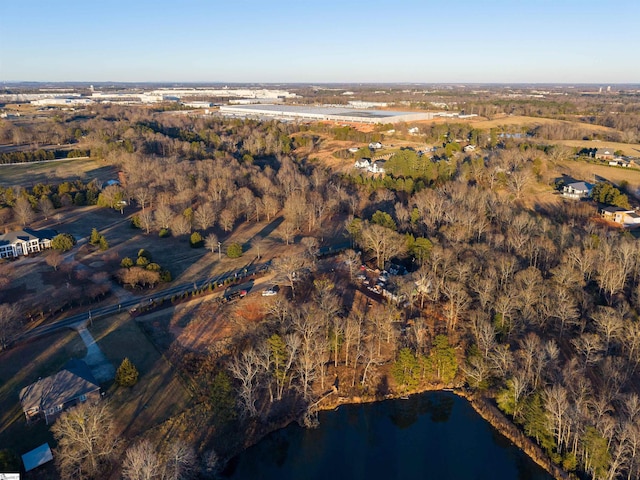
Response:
column 533, row 305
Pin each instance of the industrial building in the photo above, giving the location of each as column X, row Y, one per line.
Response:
column 334, row 114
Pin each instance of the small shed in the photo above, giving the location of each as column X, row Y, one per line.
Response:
column 36, row 457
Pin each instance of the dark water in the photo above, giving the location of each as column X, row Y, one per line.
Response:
column 435, row 436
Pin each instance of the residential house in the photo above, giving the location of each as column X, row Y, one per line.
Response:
column 363, row 163
column 377, row 166
column 604, row 154
column 24, row 242
column 577, row 190
column 414, row 131
column 626, row 218
column 469, row 148
column 375, row 145
column 49, row 396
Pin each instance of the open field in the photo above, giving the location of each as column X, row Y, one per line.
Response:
column 520, row 120
column 586, row 171
column 21, row 366
column 631, row 149
column 29, row 174
column 159, row 393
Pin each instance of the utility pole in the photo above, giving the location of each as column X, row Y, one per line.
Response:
column 219, row 251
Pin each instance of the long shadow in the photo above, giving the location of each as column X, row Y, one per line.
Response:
column 265, row 232
column 269, row 228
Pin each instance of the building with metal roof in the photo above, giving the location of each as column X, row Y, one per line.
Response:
column 335, row 114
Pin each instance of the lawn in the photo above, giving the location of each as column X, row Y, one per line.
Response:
column 21, row 366
column 29, row 174
column 159, row 393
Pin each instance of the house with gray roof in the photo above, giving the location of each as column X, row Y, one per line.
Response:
column 25, row 242
column 577, row 190
column 49, row 396
column 605, row 153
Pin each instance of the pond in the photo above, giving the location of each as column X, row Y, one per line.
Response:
column 434, row 435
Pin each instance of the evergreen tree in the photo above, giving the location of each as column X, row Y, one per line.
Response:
column 127, row 374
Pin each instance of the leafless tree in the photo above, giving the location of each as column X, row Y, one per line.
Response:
column 204, row 216
column 23, row 212
column 163, row 216
column 146, row 220
column 142, row 462
column 227, row 219
column 180, row 225
column 46, row 207
column 9, row 323
column 87, row 440
column 290, row 267
column 383, row 242
column 245, row 368
column 211, row 242
column 54, row 259
column 180, row 461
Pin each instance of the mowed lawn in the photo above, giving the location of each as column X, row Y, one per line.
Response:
column 21, row 366
column 159, row 393
column 29, row 174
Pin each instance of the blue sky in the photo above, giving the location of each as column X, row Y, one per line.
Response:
column 461, row 41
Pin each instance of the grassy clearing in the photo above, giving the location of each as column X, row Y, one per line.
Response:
column 29, row 174
column 159, row 393
column 586, row 171
column 22, row 366
column 631, row 149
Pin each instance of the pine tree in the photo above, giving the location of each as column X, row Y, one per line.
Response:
column 127, row 374
column 95, row 237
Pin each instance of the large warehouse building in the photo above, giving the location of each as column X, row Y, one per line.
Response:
column 335, row 114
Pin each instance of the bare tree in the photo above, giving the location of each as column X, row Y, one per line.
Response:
column 290, row 267
column 23, row 212
column 245, row 368
column 180, row 461
column 180, row 225
column 9, row 323
column 54, row 258
column 204, row 216
column 382, row 241
column 87, row 440
column 142, row 462
column 146, row 220
column 227, row 219
column 163, row 216
column 211, row 242
column 46, row 207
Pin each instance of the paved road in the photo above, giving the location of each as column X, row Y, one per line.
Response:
column 100, row 312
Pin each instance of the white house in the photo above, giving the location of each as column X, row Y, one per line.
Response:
column 377, row 166
column 469, row 148
column 363, row 163
column 414, row 131
column 375, row 145
column 25, row 242
column 577, row 190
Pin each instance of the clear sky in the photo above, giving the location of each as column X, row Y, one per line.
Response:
column 425, row 41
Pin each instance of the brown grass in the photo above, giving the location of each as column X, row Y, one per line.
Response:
column 159, row 393
column 21, row 366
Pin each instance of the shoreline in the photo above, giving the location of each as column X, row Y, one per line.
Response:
column 482, row 407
